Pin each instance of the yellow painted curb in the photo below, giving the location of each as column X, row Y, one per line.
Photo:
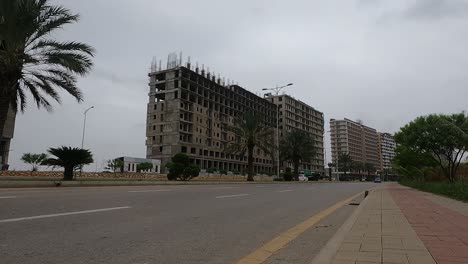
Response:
column 261, row 254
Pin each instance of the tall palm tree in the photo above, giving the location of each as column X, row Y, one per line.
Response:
column 250, row 132
column 31, row 61
column 70, row 159
column 369, row 167
column 297, row 146
column 344, row 162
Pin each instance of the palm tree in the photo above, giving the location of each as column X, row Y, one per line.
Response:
column 250, row 132
column 330, row 166
column 297, row 147
column 369, row 167
column 34, row 159
column 344, row 162
column 31, row 61
column 69, row 158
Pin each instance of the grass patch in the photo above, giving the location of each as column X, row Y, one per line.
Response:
column 456, row 190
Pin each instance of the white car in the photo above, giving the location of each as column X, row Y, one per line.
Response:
column 302, row 177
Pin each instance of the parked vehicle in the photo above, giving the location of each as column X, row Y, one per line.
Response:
column 363, row 179
column 302, row 177
column 377, row 180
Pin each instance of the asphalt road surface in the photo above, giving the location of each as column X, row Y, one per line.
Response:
column 155, row 224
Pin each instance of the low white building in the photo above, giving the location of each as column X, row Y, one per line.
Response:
column 130, row 164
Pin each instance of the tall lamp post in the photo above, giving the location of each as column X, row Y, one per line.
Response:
column 84, row 125
column 84, row 128
column 277, row 90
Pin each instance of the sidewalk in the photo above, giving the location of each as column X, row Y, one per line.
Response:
column 397, row 224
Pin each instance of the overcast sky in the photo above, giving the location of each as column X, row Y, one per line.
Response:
column 384, row 62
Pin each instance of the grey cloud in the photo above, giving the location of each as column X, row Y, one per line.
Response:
column 385, row 62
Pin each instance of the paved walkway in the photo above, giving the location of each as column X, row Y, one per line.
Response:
column 439, row 223
column 382, row 234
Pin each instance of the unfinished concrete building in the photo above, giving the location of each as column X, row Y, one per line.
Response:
column 188, row 112
column 295, row 114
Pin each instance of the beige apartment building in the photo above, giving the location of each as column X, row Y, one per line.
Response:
column 360, row 141
column 6, row 136
column 387, row 147
column 189, row 110
column 295, row 114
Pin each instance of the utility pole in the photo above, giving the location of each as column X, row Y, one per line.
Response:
column 277, row 90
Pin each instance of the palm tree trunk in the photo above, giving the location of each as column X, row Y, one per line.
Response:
column 68, row 174
column 296, row 170
column 250, row 164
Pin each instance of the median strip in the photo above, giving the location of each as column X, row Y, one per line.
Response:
column 142, row 191
column 63, row 214
column 229, row 196
column 7, row 197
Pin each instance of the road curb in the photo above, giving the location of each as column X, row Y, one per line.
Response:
column 327, row 253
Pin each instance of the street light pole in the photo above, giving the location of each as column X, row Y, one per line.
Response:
column 82, row 137
column 277, row 91
column 84, row 125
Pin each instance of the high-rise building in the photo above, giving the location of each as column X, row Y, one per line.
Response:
column 387, row 147
column 6, row 136
column 188, row 112
column 359, row 141
column 295, row 114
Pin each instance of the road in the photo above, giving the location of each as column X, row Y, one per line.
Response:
column 155, row 224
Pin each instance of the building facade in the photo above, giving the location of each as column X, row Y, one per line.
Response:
column 295, row 114
column 387, row 147
column 130, row 164
column 5, row 138
column 189, row 110
column 359, row 141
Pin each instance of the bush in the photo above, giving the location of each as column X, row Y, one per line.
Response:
column 235, row 172
column 211, row 170
column 456, row 190
column 278, row 179
column 223, row 172
column 287, row 175
column 180, row 168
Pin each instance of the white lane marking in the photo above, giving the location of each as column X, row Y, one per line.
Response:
column 219, row 188
column 7, row 197
column 286, row 191
column 63, row 214
column 149, row 191
column 234, row 195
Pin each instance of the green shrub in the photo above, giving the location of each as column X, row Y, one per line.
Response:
column 180, row 168
column 278, row 179
column 456, row 190
column 287, row 175
column 235, row 172
column 211, row 170
column 223, row 172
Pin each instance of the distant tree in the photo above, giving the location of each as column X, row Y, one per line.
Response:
column 69, row 158
column 223, row 171
column 250, row 132
column 211, row 170
column 344, row 162
column 444, row 138
column 34, row 159
column 369, row 168
column 115, row 165
column 180, row 168
column 297, row 146
column 145, row 166
column 288, row 175
column 330, row 168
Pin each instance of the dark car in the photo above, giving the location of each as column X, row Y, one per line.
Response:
column 377, row 180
